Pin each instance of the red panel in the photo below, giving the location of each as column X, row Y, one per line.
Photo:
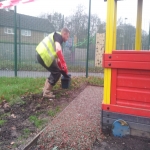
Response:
column 135, row 94
column 133, row 81
column 131, row 52
column 113, row 86
column 127, row 65
column 127, row 57
column 127, row 110
column 134, row 104
column 131, row 72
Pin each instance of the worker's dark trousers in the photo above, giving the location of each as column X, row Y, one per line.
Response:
column 53, row 69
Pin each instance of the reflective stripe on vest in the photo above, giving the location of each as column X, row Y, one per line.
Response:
column 46, row 49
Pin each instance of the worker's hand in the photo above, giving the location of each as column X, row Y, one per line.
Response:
column 65, row 69
column 61, row 62
column 62, row 66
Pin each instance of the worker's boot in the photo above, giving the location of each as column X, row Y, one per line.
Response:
column 47, row 90
column 46, row 85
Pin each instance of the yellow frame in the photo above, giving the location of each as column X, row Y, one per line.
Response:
column 110, row 44
column 111, row 40
column 139, row 26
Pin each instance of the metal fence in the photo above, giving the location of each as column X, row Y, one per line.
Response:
column 20, row 34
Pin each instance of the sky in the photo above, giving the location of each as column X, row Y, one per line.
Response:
column 126, row 9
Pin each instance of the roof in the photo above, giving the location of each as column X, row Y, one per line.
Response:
column 26, row 22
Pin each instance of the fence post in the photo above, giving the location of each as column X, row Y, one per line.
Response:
column 15, row 40
column 88, row 38
column 19, row 41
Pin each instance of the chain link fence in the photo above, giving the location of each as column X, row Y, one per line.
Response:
column 18, row 58
column 30, row 31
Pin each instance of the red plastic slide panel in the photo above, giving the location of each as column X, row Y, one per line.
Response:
column 131, row 52
column 128, row 57
column 127, row 65
column 130, row 88
column 127, row 60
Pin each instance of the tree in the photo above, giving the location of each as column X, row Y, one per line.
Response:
column 78, row 24
column 145, row 40
column 57, row 19
column 126, row 36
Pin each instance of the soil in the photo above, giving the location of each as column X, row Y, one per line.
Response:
column 18, row 128
column 125, row 143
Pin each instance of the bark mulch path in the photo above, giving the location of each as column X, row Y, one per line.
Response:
column 78, row 126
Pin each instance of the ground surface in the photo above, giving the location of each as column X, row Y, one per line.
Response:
column 78, row 128
column 128, row 143
column 29, row 115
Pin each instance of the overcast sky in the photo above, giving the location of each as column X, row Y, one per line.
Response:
column 126, row 9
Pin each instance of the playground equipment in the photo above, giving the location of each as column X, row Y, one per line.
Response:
column 100, row 42
column 126, row 81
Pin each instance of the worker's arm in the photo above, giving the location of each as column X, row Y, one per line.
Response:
column 61, row 61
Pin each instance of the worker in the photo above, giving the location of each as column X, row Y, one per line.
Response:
column 50, row 56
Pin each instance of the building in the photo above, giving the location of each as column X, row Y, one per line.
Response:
column 30, row 30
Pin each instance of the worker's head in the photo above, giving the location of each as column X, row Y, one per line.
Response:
column 65, row 34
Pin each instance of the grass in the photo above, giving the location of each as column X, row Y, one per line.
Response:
column 26, row 132
column 37, row 122
column 2, row 122
column 52, row 113
column 12, row 89
column 3, row 117
column 16, row 100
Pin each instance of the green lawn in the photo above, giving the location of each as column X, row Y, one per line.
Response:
column 13, row 88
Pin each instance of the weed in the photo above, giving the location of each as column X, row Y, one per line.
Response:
column 57, row 109
column 38, row 105
column 26, row 132
column 16, row 100
column 37, row 122
column 2, row 122
column 52, row 113
column 5, row 115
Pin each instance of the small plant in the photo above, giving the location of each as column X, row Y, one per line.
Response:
column 37, row 122
column 5, row 115
column 16, row 100
column 26, row 132
column 2, row 122
column 57, row 109
column 38, row 105
column 52, row 113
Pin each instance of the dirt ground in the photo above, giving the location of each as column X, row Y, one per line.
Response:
column 126, row 143
column 18, row 129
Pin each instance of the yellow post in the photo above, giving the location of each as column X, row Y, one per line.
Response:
column 139, row 25
column 108, row 48
column 115, row 24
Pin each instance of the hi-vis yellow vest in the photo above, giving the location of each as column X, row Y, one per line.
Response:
column 46, row 49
